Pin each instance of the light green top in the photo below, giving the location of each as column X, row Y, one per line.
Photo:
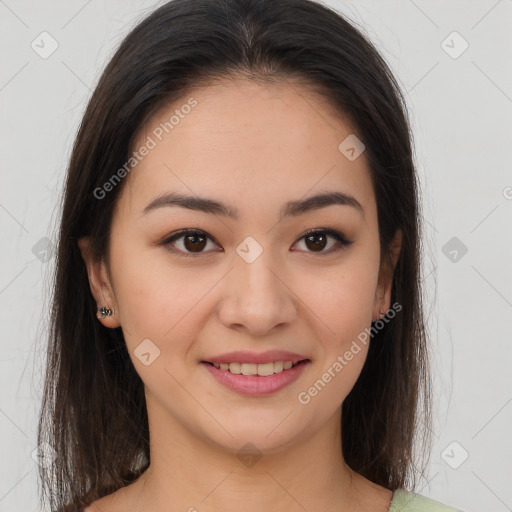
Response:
column 407, row 501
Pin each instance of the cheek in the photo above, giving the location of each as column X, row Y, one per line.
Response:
column 169, row 303
column 342, row 308
column 155, row 298
column 342, row 296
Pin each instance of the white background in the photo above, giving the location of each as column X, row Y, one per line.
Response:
column 461, row 112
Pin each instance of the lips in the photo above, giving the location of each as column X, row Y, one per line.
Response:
column 256, row 385
column 269, row 356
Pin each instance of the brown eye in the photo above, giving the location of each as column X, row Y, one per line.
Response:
column 187, row 242
column 191, row 242
column 316, row 241
column 194, row 242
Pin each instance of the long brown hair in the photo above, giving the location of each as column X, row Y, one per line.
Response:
column 93, row 410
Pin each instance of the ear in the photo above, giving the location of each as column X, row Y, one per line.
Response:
column 99, row 282
column 382, row 299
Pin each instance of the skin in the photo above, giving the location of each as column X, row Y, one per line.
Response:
column 254, row 147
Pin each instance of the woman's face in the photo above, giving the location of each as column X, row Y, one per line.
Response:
column 250, row 280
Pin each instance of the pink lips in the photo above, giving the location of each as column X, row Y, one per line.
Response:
column 256, row 358
column 256, row 385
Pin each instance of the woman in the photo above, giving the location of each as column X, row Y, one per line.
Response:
column 237, row 316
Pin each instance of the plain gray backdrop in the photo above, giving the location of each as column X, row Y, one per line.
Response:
column 452, row 59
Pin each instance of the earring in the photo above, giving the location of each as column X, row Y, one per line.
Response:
column 104, row 312
column 382, row 312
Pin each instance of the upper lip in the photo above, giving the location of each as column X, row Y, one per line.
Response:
column 256, row 358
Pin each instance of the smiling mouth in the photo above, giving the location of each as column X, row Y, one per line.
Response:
column 260, row 369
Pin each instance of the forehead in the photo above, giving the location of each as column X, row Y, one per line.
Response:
column 248, row 142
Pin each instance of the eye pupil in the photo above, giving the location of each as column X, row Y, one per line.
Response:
column 316, row 236
column 195, row 247
column 194, row 242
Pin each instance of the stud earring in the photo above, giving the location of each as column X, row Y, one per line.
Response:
column 104, row 312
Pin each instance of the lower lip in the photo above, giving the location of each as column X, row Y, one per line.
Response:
column 255, row 385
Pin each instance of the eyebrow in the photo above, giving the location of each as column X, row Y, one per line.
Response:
column 290, row 209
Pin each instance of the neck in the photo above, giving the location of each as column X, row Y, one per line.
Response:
column 190, row 472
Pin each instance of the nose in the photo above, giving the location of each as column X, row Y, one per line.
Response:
column 258, row 298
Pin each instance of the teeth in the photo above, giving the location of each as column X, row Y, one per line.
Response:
column 263, row 369
column 278, row 366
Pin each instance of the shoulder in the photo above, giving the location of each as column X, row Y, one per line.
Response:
column 408, row 501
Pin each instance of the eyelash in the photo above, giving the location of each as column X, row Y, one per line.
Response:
column 339, row 237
